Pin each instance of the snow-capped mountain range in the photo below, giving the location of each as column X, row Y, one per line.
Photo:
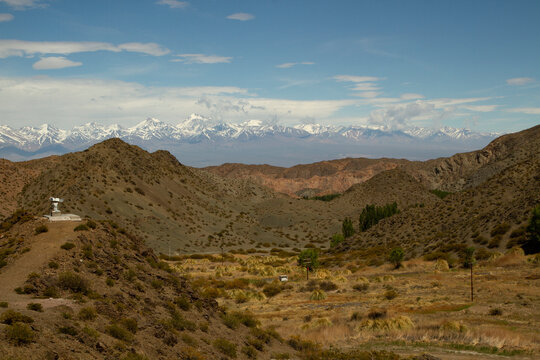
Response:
column 30, row 142
column 198, row 128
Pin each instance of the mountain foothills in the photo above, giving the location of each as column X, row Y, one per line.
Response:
column 205, row 141
column 176, row 208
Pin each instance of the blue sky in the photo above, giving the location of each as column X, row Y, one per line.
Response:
column 472, row 64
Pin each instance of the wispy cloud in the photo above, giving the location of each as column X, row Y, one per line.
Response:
column 202, row 59
column 368, row 94
column 6, row 17
column 30, row 48
column 411, row 96
column 526, row 110
column 291, row 64
column 55, row 62
column 174, row 4
column 23, row 4
column 241, row 16
column 355, row 79
column 519, row 81
column 481, row 108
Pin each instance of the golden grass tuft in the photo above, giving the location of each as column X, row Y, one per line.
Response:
column 390, row 324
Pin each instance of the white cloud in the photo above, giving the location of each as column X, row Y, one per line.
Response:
column 4, row 17
column 145, row 48
column 30, row 48
column 528, row 110
column 23, row 4
column 481, row 108
column 59, row 101
column 368, row 94
column 241, row 16
column 55, row 62
column 356, row 79
column 174, row 4
column 291, row 64
column 365, row 86
column 400, row 116
column 519, row 81
column 411, row 96
column 202, row 59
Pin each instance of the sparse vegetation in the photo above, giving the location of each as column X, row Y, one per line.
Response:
column 35, row 307
column 396, row 257
column 226, row 347
column 20, row 334
column 67, row 246
column 440, row 193
column 41, row 229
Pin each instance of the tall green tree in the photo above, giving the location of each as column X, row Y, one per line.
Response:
column 532, row 246
column 347, row 228
column 309, row 258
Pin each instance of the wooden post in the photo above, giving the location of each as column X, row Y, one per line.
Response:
column 472, row 288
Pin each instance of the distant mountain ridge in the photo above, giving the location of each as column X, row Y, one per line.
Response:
column 28, row 142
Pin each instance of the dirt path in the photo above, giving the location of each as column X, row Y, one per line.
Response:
column 43, row 248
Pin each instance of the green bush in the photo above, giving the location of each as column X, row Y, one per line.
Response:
column 336, row 240
column 73, row 282
column 390, row 294
column 35, row 307
column 130, row 324
column 119, row 332
column 272, row 289
column 53, row 265
column 91, row 224
column 19, row 334
column 67, row 246
column 309, row 257
column 440, row 193
column 11, row 317
column 500, row 229
column 178, row 322
column 81, row 227
column 87, row 313
column 41, row 229
column 183, row 303
column 3, row 304
column 234, row 319
column 249, row 351
column 226, row 347
column 396, row 257
column 68, row 330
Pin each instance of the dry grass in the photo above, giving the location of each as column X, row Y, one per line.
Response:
column 432, row 308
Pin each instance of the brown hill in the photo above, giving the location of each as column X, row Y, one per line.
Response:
column 319, row 178
column 452, row 174
column 100, row 293
column 493, row 214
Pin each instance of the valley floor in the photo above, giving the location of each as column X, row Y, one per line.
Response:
column 419, row 308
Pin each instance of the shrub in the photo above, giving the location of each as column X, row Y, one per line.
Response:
column 271, row 290
column 236, row 318
column 67, row 246
column 41, row 229
column 361, row 287
column 120, row 333
column 87, row 313
column 299, row 344
column 19, row 334
column 51, row 292
column 317, row 295
column 495, row 312
column 68, row 330
column 396, row 257
column 183, row 303
column 390, row 294
column 130, row 324
column 440, row 193
column 81, row 227
column 328, row 286
column 11, row 317
column 35, row 307
column 226, row 347
column 180, row 323
column 134, row 356
column 91, row 224
column 500, row 229
column 3, row 304
column 53, row 265
column 73, row 282
column 249, row 351
column 374, row 314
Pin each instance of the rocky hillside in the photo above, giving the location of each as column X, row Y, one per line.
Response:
column 100, row 293
column 493, row 215
column 454, row 173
